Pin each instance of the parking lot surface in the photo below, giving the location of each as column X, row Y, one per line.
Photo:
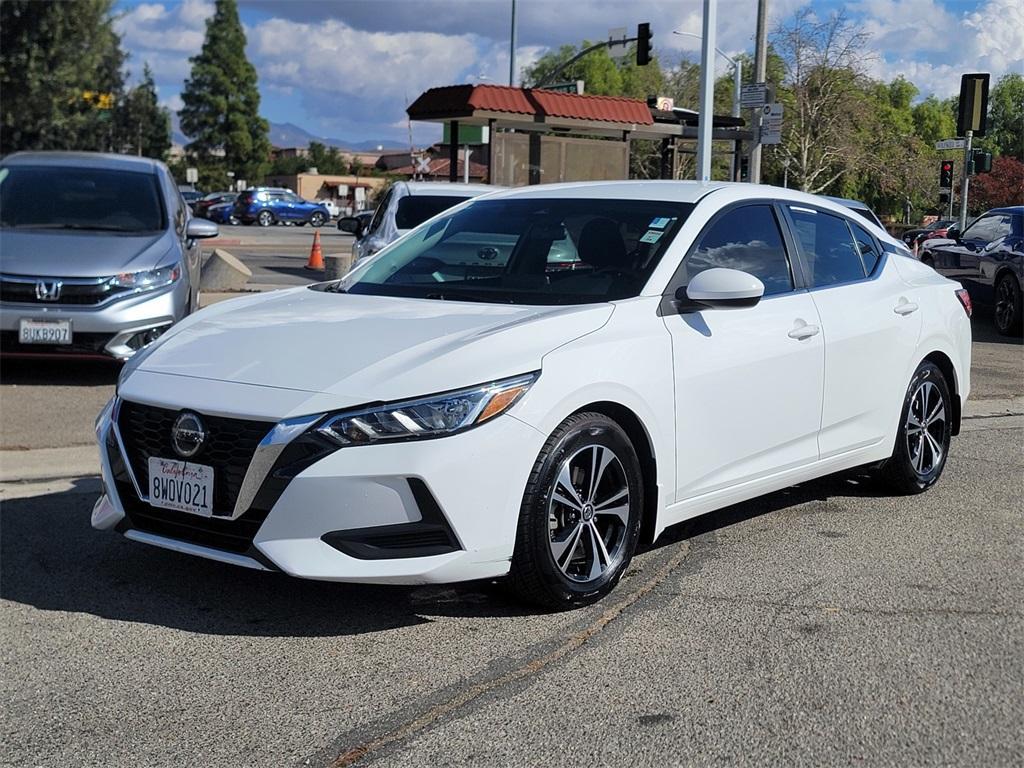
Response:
column 824, row 624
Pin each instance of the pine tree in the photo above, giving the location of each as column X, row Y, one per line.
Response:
column 60, row 75
column 222, row 100
column 144, row 126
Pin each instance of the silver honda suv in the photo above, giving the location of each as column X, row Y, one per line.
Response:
column 99, row 254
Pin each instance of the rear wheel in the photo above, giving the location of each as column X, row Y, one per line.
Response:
column 265, row 218
column 580, row 518
column 923, row 438
column 1008, row 305
column 317, row 219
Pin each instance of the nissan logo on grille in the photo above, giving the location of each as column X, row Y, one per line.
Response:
column 188, row 434
column 48, row 291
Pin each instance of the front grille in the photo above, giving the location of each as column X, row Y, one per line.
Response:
column 229, row 447
column 82, row 344
column 73, row 294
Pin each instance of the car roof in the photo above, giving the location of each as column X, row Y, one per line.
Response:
column 1017, row 209
column 107, row 161
column 442, row 189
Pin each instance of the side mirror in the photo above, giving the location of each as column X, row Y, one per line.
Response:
column 953, row 233
column 200, row 229
column 352, row 225
column 720, row 288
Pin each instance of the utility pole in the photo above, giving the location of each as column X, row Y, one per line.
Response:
column 512, row 50
column 760, row 73
column 968, row 166
column 707, row 91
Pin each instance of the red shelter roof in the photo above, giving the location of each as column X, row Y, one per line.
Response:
column 456, row 101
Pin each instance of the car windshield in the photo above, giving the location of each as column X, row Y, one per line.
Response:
column 413, row 210
column 526, row 251
column 53, row 197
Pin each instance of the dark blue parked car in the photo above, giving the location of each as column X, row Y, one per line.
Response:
column 270, row 205
column 988, row 258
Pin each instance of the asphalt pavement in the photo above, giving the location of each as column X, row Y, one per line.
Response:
column 822, row 625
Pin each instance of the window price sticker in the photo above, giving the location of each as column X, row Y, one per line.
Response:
column 651, row 236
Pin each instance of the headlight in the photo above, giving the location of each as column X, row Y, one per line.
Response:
column 144, row 281
column 433, row 416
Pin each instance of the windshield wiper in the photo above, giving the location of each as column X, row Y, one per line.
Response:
column 80, row 227
column 467, row 297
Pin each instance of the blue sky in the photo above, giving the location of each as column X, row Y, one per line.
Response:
column 348, row 68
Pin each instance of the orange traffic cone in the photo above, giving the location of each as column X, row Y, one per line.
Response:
column 316, row 256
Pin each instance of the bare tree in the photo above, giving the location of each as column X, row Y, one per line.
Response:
column 825, row 63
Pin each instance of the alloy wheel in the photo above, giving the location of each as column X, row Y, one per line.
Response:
column 266, row 218
column 1005, row 303
column 925, row 428
column 588, row 513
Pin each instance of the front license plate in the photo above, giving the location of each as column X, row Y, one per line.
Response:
column 181, row 486
column 44, row 331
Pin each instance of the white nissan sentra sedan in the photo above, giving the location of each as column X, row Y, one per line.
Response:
column 534, row 384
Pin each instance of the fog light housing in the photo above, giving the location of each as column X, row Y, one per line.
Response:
column 146, row 337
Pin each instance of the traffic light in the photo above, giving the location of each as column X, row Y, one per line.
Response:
column 946, row 174
column 643, row 44
column 982, row 161
column 944, row 195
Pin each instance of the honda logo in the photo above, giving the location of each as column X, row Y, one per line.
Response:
column 48, row 291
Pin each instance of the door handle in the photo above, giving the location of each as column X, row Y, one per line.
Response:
column 804, row 331
column 905, row 308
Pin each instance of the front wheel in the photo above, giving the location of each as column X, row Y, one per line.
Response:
column 923, row 437
column 1008, row 315
column 579, row 522
column 317, row 220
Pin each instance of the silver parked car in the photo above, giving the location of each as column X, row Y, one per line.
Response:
column 405, row 206
column 99, row 254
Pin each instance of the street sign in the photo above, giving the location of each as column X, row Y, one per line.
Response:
column 617, row 46
column 771, row 124
column 576, row 86
column 754, row 95
column 191, row 175
column 950, row 144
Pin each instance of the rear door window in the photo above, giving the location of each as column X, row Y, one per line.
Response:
column 831, row 254
column 866, row 246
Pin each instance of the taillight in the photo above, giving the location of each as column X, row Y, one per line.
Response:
column 965, row 300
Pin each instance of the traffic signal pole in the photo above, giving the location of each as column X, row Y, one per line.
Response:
column 968, row 164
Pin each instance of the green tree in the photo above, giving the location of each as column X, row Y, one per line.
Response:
column 1006, row 115
column 600, row 72
column 934, row 120
column 327, row 160
column 222, row 101
column 60, row 75
column 144, row 126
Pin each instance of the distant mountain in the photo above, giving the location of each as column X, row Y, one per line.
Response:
column 291, row 135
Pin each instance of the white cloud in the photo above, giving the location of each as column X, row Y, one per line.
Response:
column 332, row 57
column 987, row 39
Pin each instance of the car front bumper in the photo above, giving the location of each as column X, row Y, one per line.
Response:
column 97, row 331
column 427, row 511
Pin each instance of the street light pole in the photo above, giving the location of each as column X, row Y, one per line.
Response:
column 737, row 65
column 512, row 49
column 707, row 91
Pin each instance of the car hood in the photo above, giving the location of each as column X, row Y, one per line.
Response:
column 42, row 253
column 365, row 348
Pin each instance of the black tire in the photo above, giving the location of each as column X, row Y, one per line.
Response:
column 913, row 466
column 317, row 220
column 1008, row 309
column 535, row 576
column 265, row 219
